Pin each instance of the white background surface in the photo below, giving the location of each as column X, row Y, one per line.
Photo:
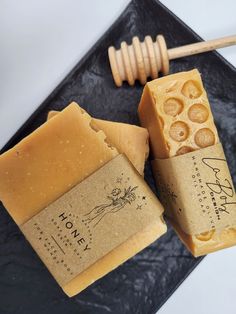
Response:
column 42, row 40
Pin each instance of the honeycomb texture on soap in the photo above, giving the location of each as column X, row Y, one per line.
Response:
column 183, row 112
column 176, row 111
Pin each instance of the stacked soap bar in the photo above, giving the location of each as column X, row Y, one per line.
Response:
column 128, row 139
column 177, row 114
column 48, row 163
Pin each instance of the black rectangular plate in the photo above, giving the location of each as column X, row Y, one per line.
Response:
column 144, row 283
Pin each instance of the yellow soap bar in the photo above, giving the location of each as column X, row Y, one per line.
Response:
column 130, row 140
column 48, row 163
column 176, row 111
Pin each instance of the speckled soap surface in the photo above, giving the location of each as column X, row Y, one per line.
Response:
column 142, row 284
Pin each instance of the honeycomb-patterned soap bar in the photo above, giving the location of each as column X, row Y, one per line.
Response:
column 176, row 111
column 178, row 114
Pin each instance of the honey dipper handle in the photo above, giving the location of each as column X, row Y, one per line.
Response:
column 200, row 47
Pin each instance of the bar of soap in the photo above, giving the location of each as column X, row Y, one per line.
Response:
column 48, row 163
column 177, row 114
column 130, row 140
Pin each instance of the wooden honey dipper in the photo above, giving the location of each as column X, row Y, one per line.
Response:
column 141, row 60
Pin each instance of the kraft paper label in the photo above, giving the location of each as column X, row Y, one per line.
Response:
column 196, row 190
column 92, row 219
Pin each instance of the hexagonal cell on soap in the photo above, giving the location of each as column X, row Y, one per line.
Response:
column 204, row 138
column 198, row 113
column 179, row 131
column 231, row 230
column 191, row 89
column 205, row 236
column 184, row 150
column 173, row 106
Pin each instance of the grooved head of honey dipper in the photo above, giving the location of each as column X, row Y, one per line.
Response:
column 163, row 54
column 114, row 66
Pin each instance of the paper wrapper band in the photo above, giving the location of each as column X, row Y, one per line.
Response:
column 92, row 219
column 196, row 190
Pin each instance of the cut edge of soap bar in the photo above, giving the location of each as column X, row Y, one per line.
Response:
column 132, row 140
column 115, row 258
column 160, row 148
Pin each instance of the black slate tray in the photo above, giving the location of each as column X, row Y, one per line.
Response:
column 145, row 282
